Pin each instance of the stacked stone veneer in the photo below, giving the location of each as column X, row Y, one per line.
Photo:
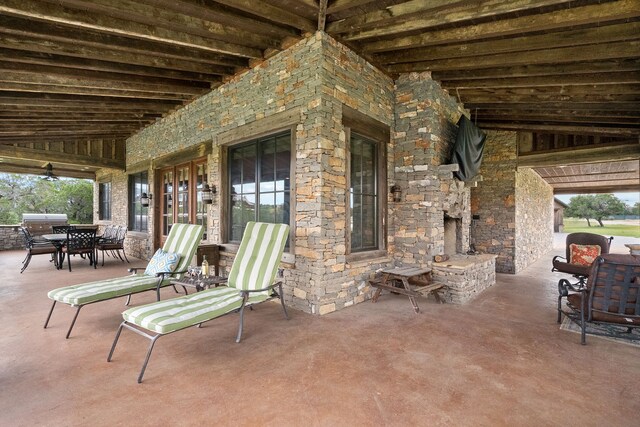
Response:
column 11, row 238
column 422, row 141
column 307, row 86
column 515, row 207
column 464, row 276
column 534, row 218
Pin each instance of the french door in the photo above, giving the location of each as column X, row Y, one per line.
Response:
column 181, row 197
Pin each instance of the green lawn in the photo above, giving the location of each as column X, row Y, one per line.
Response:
column 574, row 225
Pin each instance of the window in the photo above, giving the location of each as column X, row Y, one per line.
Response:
column 138, row 219
column 363, row 192
column 181, row 197
column 104, row 201
column 259, row 183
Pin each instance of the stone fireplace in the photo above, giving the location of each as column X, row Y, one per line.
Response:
column 465, row 274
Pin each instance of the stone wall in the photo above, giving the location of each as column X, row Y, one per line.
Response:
column 423, row 136
column 11, row 238
column 513, row 208
column 493, row 201
column 464, row 276
column 534, row 218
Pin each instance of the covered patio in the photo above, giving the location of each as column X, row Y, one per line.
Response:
column 499, row 361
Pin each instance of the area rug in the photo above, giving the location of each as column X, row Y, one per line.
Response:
column 568, row 325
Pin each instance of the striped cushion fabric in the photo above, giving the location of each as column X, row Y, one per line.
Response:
column 173, row 314
column 103, row 289
column 184, row 240
column 258, row 256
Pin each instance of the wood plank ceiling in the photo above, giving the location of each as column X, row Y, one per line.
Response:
column 96, row 70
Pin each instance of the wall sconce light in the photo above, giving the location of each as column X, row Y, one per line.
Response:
column 396, row 192
column 145, row 199
column 208, row 193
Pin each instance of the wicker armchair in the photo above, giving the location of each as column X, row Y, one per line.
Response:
column 611, row 297
column 579, row 271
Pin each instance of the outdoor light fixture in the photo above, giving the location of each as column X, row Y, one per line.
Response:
column 208, row 193
column 396, row 191
column 48, row 173
column 145, row 199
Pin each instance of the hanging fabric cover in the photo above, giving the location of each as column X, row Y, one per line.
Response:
column 467, row 151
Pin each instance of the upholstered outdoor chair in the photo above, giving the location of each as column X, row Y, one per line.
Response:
column 576, row 269
column 611, row 297
column 250, row 281
column 183, row 240
column 34, row 247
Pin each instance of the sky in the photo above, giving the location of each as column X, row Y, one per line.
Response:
column 629, row 198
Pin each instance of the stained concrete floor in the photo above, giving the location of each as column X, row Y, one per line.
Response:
column 500, row 360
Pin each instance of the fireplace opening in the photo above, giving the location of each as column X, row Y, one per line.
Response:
column 452, row 235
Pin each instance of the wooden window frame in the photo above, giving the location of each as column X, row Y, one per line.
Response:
column 192, row 193
column 134, row 203
column 225, row 192
column 357, row 122
column 104, row 214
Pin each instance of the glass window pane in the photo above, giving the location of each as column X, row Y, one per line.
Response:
column 364, row 193
column 267, row 207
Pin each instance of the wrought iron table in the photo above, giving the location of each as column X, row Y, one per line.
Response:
column 200, row 283
column 392, row 278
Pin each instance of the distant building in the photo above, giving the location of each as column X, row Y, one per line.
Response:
column 558, row 215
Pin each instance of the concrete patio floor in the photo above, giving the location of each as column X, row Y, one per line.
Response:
column 500, row 360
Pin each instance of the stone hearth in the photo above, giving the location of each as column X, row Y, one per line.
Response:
column 464, row 276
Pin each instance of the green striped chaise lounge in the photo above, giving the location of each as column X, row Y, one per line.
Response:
column 183, row 239
column 250, row 281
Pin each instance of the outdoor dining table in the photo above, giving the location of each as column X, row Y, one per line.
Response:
column 58, row 240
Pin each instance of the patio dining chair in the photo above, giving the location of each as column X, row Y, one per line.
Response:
column 170, row 262
column 80, row 242
column 112, row 241
column 250, row 281
column 35, row 247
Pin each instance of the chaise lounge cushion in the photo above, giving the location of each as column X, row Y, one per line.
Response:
column 104, row 289
column 171, row 315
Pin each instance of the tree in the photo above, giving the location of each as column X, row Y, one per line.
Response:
column 31, row 194
column 596, row 206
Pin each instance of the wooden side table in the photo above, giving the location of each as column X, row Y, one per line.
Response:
column 408, row 276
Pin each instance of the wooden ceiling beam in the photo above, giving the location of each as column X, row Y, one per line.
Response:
column 340, row 5
column 613, row 176
column 531, row 43
column 90, row 139
column 578, row 114
column 617, row 50
column 20, row 72
column 422, row 15
column 36, row 170
column 211, row 11
column 272, row 13
column 621, row 89
column 63, row 34
column 38, row 78
column 52, row 99
column 614, row 188
column 586, row 79
column 82, row 20
column 92, row 91
column 568, row 129
column 84, row 64
column 549, row 120
column 540, row 70
column 174, row 20
column 322, row 14
column 559, row 19
column 80, row 51
column 13, row 152
column 513, row 106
